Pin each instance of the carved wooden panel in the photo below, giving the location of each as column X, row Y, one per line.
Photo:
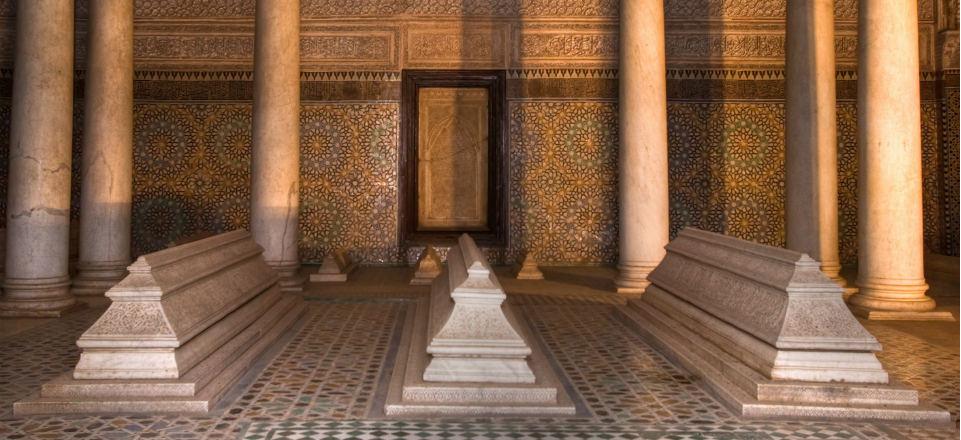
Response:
column 452, row 158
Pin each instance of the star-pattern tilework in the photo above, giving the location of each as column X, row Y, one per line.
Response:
column 727, row 169
column 191, row 171
column 349, row 155
column 950, row 146
column 847, row 132
column 563, row 181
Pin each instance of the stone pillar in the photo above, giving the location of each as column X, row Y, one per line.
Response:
column 38, row 195
column 890, row 230
column 275, row 171
column 811, row 136
column 643, row 195
column 107, row 186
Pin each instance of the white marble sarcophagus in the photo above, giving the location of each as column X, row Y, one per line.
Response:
column 183, row 326
column 466, row 352
column 768, row 332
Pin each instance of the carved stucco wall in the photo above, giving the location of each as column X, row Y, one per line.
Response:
column 194, row 89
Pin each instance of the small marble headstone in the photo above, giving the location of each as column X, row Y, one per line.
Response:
column 428, row 267
column 529, row 269
column 335, row 268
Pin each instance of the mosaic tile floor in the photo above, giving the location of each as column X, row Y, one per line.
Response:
column 328, row 378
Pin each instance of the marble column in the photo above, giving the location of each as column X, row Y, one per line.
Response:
column 107, row 171
column 275, row 170
column 36, row 282
column 642, row 175
column 890, row 229
column 811, row 170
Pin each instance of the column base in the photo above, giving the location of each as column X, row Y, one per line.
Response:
column 833, row 271
column 895, row 300
column 848, row 289
column 96, row 279
column 632, row 280
column 36, row 298
column 291, row 281
column 888, row 315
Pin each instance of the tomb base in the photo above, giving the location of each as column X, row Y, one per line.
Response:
column 689, row 343
column 197, row 392
column 410, row 395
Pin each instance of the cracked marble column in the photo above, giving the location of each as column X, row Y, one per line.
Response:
column 37, row 282
column 275, row 169
column 642, row 176
column 890, row 226
column 811, row 170
column 107, row 169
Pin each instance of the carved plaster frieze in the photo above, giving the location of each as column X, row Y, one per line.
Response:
column 845, row 10
column 393, row 43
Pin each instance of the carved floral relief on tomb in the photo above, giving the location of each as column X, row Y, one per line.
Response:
column 348, row 167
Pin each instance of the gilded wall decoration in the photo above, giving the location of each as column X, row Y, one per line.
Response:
column 726, row 164
column 191, row 171
column 563, row 181
column 348, row 166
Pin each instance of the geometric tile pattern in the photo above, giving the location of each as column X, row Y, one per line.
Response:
column 727, row 169
column 647, row 390
column 191, row 171
column 847, row 129
column 563, row 181
column 31, row 358
column 950, row 146
column 928, row 377
column 726, row 160
column 326, row 380
column 349, row 181
column 931, row 177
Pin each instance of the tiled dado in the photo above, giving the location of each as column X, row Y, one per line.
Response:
column 192, row 133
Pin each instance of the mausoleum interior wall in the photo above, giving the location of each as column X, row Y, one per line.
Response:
column 194, row 89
